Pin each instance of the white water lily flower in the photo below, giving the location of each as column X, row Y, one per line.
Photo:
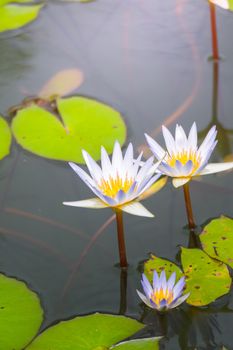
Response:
column 184, row 159
column 163, row 294
column 118, row 183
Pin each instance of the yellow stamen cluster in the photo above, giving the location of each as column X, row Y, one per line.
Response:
column 112, row 186
column 161, row 294
column 184, row 157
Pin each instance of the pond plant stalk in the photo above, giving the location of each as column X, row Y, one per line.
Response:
column 215, row 52
column 121, row 239
column 188, row 205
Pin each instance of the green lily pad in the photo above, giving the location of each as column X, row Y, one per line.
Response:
column 139, row 344
column 97, row 331
column 14, row 16
column 217, row 239
column 158, row 264
column 85, row 124
column 5, row 138
column 206, row 279
column 20, row 314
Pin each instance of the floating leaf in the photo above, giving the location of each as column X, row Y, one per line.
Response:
column 20, row 314
column 96, row 331
column 15, row 16
column 225, row 4
column 156, row 187
column 5, row 138
column 206, row 278
column 62, row 83
column 85, row 124
column 4, row 2
column 139, row 344
column 217, row 239
column 158, row 264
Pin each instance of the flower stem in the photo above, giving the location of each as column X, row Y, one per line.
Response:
column 188, row 206
column 121, row 239
column 214, row 31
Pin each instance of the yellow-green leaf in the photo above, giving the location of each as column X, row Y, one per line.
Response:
column 217, row 239
column 84, row 124
column 13, row 16
column 206, row 279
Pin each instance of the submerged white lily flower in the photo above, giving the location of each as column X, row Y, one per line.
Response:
column 163, row 294
column 184, row 159
column 118, row 183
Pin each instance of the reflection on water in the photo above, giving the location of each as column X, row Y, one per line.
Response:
column 148, row 59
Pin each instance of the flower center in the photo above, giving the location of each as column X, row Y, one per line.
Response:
column 162, row 294
column 184, row 157
column 112, row 186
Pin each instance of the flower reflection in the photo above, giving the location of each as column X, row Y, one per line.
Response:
column 163, row 294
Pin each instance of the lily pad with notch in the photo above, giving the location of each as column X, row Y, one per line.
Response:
column 81, row 123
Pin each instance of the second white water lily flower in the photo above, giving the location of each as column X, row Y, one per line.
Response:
column 184, row 159
column 118, row 183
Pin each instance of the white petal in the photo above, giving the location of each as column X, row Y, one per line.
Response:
column 128, row 158
column 179, row 301
column 82, row 174
column 216, row 168
column 144, row 299
column 192, row 138
column 171, row 281
column 136, row 208
column 208, row 141
column 93, row 167
column 146, row 185
column 105, row 163
column 117, row 158
column 180, row 139
column 134, row 169
column 156, row 149
column 144, row 169
column 180, row 181
column 169, row 140
column 94, row 203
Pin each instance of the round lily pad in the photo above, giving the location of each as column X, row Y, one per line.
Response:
column 139, row 344
column 206, row 279
column 14, row 16
column 5, row 138
column 217, row 239
column 97, row 331
column 158, row 264
column 82, row 124
column 20, row 314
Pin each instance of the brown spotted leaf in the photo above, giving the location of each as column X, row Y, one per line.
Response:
column 217, row 239
column 206, row 279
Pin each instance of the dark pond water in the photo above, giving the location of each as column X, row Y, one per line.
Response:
column 149, row 60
